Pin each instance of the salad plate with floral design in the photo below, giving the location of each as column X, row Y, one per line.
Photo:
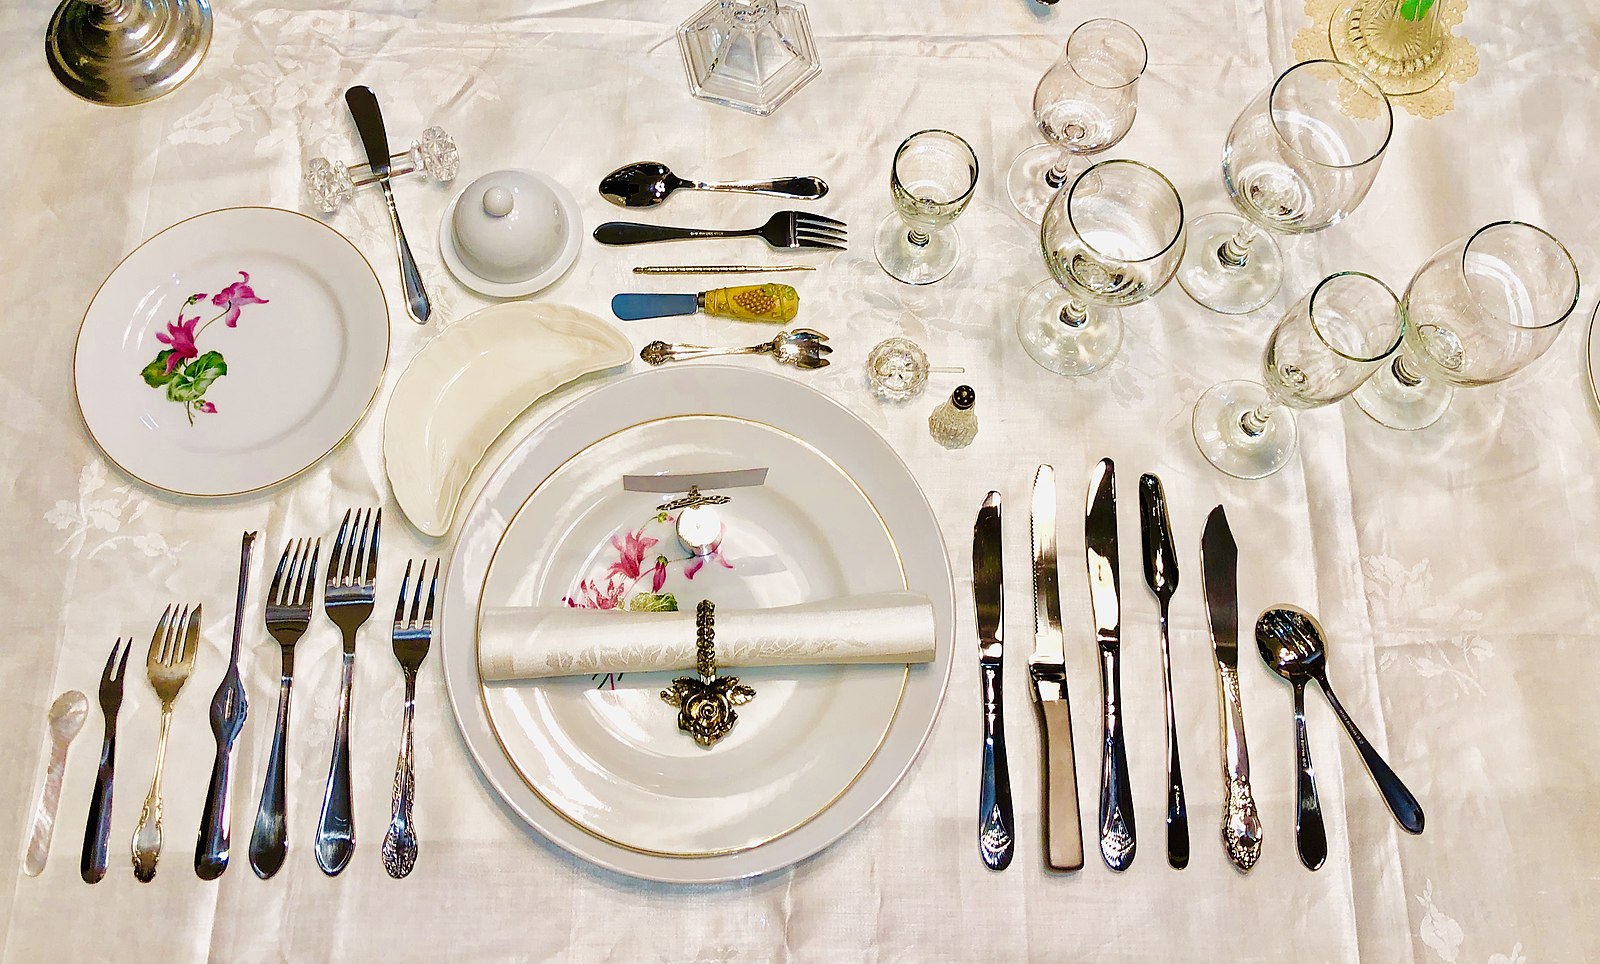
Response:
column 597, row 763
column 231, row 351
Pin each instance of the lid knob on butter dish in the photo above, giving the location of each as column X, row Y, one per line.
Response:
column 510, row 233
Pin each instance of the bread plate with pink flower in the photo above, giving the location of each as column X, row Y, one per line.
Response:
column 231, row 351
column 596, row 761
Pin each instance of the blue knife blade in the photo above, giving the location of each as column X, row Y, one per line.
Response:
column 632, row 307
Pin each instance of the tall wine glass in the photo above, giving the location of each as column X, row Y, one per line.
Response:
column 1111, row 239
column 1299, row 159
column 932, row 179
column 1084, row 104
column 1480, row 310
column 1321, row 351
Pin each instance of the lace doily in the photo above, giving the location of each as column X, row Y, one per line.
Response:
column 1312, row 43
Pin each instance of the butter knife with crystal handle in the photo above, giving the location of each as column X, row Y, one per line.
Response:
column 1118, row 836
column 1219, row 560
column 996, row 828
column 1063, row 829
column 364, row 110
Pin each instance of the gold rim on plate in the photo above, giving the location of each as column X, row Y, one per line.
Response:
column 488, row 712
column 355, row 423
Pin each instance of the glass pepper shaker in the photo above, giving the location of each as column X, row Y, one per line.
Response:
column 954, row 423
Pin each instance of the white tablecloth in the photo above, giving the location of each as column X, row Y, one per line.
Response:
column 1454, row 568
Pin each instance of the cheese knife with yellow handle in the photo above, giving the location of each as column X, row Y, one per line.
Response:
column 769, row 302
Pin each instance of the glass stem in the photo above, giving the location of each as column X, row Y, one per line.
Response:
column 1254, row 422
column 918, row 238
column 1058, row 172
column 1074, row 314
column 1403, row 373
column 1235, row 252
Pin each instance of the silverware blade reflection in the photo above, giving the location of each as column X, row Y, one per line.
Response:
column 1118, row 836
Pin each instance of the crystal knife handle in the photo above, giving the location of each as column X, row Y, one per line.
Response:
column 1118, row 837
column 1241, row 825
column 773, row 303
column 800, row 188
column 1063, row 827
column 996, row 829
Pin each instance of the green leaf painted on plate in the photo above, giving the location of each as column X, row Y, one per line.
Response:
column 155, row 374
column 649, row 602
column 191, row 384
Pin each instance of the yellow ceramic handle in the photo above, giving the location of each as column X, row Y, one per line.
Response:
column 768, row 302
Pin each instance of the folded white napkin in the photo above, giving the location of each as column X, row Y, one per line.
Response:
column 531, row 642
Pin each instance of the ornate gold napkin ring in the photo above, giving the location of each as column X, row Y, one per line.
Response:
column 705, row 705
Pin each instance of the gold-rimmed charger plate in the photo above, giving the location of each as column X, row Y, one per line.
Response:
column 231, row 351
column 699, row 390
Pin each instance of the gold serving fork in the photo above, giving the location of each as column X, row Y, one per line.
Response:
column 171, row 660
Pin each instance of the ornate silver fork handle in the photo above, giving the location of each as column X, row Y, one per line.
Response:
column 336, row 831
column 147, row 838
column 400, row 843
column 659, row 352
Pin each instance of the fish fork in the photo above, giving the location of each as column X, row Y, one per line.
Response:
column 802, row 348
column 171, row 660
column 411, row 641
column 786, row 229
column 97, row 833
column 288, row 614
column 348, row 598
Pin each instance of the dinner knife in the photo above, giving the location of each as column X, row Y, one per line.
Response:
column 996, row 830
column 1161, row 575
column 1219, row 561
column 1063, row 830
column 364, row 109
column 1118, row 837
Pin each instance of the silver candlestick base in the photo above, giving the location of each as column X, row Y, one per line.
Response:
column 122, row 52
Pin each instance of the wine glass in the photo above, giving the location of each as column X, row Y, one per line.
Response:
column 1084, row 104
column 1113, row 238
column 1479, row 311
column 932, row 178
column 1321, row 351
column 1299, row 159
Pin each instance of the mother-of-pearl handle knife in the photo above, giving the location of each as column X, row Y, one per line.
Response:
column 1219, row 561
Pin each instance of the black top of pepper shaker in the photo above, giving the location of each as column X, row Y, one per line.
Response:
column 963, row 397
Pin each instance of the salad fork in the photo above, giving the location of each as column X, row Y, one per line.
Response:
column 348, row 598
column 97, row 833
column 171, row 660
column 786, row 229
column 288, row 614
column 411, row 641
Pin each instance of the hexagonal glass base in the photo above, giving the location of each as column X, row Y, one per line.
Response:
column 751, row 55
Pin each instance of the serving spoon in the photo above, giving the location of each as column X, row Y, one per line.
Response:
column 67, row 716
column 647, row 184
column 1291, row 642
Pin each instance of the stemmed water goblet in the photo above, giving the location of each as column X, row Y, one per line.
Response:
column 932, row 179
column 1084, row 104
column 1480, row 310
column 1299, row 159
column 1112, row 238
column 1321, row 351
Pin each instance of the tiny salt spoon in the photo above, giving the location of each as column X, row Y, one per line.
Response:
column 67, row 716
column 647, row 183
column 1291, row 642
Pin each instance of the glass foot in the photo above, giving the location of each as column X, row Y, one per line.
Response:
column 1394, row 404
column 751, row 55
column 130, row 54
column 1064, row 348
column 1030, row 192
column 1220, row 432
column 1223, row 287
column 912, row 263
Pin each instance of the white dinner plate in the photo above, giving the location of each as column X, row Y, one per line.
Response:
column 231, row 351
column 695, row 391
column 609, row 755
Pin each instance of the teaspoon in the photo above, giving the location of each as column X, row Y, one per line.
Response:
column 1292, row 642
column 67, row 716
column 647, row 184
column 1285, row 657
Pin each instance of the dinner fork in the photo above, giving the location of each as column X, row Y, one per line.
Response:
column 97, row 833
column 288, row 614
column 411, row 640
column 348, row 598
column 786, row 229
column 171, row 660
